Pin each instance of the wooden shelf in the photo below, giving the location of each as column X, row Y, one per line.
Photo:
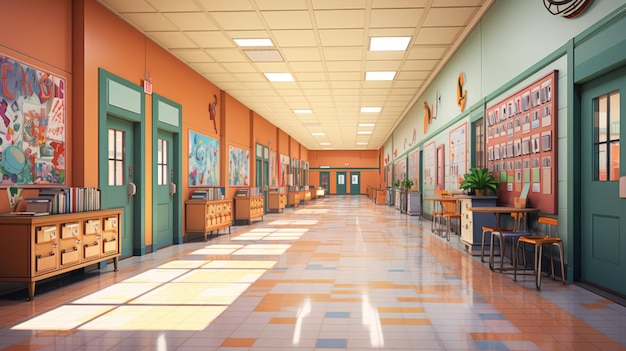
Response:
column 203, row 216
column 276, row 202
column 40, row 247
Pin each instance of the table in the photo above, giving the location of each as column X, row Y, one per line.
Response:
column 448, row 205
column 497, row 211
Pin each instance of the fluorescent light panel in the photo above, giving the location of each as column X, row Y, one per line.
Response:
column 302, row 111
column 386, row 75
column 371, row 109
column 279, row 77
column 253, row 42
column 324, row 143
column 361, row 143
column 318, row 134
column 364, row 132
column 367, row 124
column 389, row 43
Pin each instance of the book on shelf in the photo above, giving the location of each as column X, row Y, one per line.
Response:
column 211, row 194
column 38, row 205
column 242, row 192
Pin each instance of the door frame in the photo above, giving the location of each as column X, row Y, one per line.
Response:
column 167, row 115
column 345, row 179
column 123, row 106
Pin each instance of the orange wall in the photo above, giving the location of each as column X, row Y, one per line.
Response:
column 366, row 162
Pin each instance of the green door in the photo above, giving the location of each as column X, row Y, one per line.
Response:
column 603, row 237
column 117, row 192
column 164, row 211
column 341, row 183
column 355, row 183
column 325, row 182
column 266, row 174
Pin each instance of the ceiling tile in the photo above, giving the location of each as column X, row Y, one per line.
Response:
column 342, row 37
column 343, row 54
column 172, row 40
column 437, row 35
column 301, row 54
column 225, row 55
column 281, row 4
column 343, row 4
column 238, row 20
column 150, row 21
column 221, row 5
column 398, row 4
column 449, row 17
column 190, row 21
column 340, row 19
column 288, row 19
column 123, row 6
column 192, row 55
column 174, row 6
column 295, row 38
column 213, row 39
column 394, row 18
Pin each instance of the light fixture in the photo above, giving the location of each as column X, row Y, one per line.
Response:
column 302, row 111
column 364, row 132
column 389, row 43
column 318, row 134
column 361, row 143
column 382, row 75
column 324, row 144
column 371, row 109
column 279, row 77
column 253, row 42
column 367, row 124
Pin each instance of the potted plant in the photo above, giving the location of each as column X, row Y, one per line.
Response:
column 407, row 184
column 479, row 180
column 396, row 183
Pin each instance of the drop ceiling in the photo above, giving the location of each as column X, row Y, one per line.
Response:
column 324, row 45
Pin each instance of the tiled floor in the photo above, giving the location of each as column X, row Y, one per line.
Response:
column 339, row 273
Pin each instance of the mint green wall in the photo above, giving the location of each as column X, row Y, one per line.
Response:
column 514, row 44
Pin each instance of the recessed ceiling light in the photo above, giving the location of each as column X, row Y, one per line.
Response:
column 318, row 134
column 302, row 111
column 253, row 42
column 324, row 143
column 389, row 43
column 364, row 132
column 371, row 109
column 388, row 75
column 367, row 124
column 361, row 143
column 279, row 77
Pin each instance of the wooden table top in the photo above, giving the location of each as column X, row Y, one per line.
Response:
column 503, row 209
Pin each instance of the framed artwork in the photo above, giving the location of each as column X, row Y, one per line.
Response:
column 238, row 166
column 203, row 160
column 32, row 125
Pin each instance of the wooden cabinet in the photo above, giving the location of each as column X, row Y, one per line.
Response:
column 294, row 198
column 202, row 216
column 248, row 208
column 39, row 247
column 472, row 222
column 276, row 202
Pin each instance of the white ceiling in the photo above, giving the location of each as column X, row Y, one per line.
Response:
column 324, row 45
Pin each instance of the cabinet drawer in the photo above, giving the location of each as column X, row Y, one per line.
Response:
column 46, row 263
column 110, row 223
column 110, row 247
column 69, row 230
column 69, row 257
column 46, row 233
column 92, row 226
column 92, row 251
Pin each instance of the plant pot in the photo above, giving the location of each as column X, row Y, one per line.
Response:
column 479, row 192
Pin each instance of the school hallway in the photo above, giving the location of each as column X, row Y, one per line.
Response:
column 338, row 273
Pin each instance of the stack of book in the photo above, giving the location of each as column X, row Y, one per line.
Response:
column 216, row 193
column 64, row 200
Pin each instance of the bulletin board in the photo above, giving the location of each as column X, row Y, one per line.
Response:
column 238, row 166
column 521, row 144
column 32, row 125
column 414, row 164
column 458, row 156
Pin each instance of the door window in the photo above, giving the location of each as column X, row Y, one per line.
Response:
column 162, row 165
column 606, row 137
column 116, row 157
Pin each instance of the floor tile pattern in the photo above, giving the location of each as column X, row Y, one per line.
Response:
column 338, row 273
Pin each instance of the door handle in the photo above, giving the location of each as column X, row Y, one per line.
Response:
column 172, row 189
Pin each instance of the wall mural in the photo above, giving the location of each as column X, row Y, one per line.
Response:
column 32, row 125
column 204, row 166
column 239, row 167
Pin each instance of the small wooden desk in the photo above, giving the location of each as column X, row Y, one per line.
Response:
column 497, row 211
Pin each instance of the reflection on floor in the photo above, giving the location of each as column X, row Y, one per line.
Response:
column 337, row 273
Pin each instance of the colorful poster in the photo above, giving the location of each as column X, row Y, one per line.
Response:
column 238, row 166
column 203, row 160
column 32, row 125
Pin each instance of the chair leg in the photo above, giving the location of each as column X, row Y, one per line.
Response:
column 560, row 245
column 515, row 259
column 539, row 248
column 491, row 250
column 482, row 248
